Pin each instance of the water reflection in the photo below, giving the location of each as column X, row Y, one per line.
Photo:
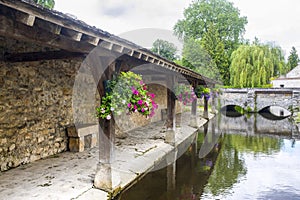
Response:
column 247, row 159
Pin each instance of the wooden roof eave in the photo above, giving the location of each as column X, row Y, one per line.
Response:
column 30, row 22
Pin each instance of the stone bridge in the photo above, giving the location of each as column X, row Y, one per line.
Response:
column 254, row 100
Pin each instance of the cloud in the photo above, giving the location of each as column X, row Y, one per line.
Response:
column 116, row 8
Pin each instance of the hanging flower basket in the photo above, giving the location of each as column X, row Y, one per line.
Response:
column 185, row 94
column 202, row 92
column 126, row 93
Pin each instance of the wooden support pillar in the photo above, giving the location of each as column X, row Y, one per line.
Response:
column 205, row 112
column 171, row 118
column 104, row 178
column 213, row 102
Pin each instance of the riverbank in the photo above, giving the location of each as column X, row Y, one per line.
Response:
column 71, row 175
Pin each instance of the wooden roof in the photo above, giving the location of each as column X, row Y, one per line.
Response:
column 22, row 20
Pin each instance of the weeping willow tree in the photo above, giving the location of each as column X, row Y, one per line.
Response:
column 254, row 65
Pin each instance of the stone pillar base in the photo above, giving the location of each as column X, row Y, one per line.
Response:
column 107, row 179
column 170, row 137
column 193, row 122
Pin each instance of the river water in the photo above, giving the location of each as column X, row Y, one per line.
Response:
column 245, row 157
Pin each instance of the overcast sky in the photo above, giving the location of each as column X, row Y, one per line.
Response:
column 269, row 20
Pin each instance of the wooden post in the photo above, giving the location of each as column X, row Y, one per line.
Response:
column 205, row 112
column 170, row 134
column 213, row 102
column 104, row 178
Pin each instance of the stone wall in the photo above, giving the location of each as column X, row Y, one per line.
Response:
column 125, row 122
column 36, row 106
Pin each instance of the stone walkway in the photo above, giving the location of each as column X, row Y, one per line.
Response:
column 70, row 175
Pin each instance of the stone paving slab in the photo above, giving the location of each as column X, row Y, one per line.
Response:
column 70, row 175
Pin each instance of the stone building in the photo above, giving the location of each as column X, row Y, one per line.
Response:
column 290, row 80
column 41, row 53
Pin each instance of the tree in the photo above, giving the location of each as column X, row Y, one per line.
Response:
column 46, row 3
column 195, row 57
column 293, row 59
column 165, row 49
column 254, row 65
column 205, row 18
column 212, row 43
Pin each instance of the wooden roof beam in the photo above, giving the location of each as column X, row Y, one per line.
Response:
column 34, row 34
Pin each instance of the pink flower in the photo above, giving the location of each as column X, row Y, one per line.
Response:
column 135, row 92
column 140, row 102
column 129, row 105
column 135, row 107
column 141, row 83
column 152, row 114
column 143, row 110
column 151, row 95
column 108, row 117
column 155, row 106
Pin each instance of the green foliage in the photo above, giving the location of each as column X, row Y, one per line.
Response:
column 293, row 59
column 219, row 27
column 213, row 44
column 254, row 65
column 165, row 49
column 239, row 109
column 195, row 57
column 46, row 3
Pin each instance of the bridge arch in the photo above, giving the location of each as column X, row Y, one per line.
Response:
column 274, row 113
column 232, row 111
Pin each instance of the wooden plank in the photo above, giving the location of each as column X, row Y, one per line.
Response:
column 20, row 31
column 36, row 56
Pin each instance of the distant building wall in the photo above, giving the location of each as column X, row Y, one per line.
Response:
column 286, row 83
